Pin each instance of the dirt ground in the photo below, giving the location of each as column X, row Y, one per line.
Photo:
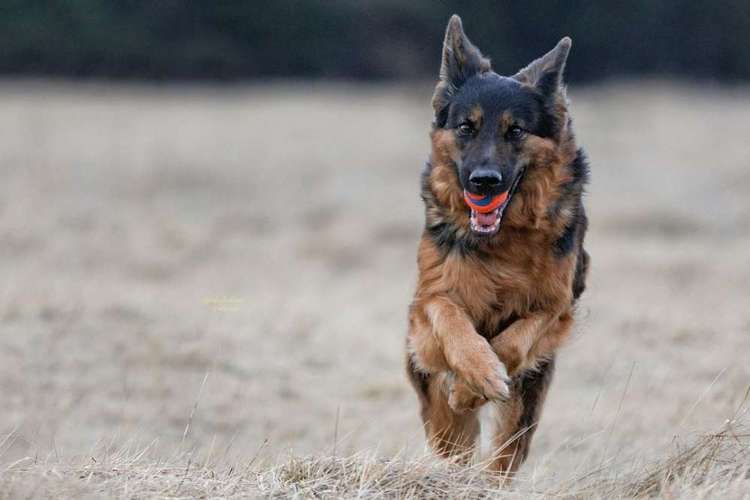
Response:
column 240, row 259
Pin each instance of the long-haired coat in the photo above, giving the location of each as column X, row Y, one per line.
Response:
column 496, row 291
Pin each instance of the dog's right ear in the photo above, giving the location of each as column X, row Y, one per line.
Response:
column 461, row 60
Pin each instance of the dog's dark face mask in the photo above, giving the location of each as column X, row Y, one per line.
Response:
column 492, row 119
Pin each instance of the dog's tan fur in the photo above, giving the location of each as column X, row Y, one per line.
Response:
column 482, row 322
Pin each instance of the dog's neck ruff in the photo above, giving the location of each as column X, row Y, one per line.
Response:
column 484, row 204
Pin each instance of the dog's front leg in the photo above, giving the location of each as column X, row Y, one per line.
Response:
column 528, row 339
column 450, row 333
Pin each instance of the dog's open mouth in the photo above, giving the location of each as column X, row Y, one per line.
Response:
column 487, row 211
column 488, row 222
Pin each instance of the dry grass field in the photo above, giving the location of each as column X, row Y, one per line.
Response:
column 203, row 286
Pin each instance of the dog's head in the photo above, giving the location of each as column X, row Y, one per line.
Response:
column 493, row 129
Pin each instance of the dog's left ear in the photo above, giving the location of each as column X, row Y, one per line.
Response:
column 460, row 61
column 546, row 73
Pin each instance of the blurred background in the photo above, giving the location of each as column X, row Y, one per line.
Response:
column 209, row 214
column 363, row 40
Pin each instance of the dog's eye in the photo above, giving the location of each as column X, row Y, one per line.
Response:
column 515, row 132
column 465, row 129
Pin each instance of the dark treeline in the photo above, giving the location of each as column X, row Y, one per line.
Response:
column 366, row 39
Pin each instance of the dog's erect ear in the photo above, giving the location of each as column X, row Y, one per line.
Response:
column 461, row 61
column 546, row 73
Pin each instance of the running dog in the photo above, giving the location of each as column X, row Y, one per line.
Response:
column 501, row 260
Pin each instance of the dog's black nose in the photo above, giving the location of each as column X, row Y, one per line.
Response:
column 483, row 180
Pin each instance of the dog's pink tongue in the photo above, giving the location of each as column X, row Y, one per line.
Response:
column 487, row 219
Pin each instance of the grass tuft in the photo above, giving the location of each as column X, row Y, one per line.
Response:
column 715, row 464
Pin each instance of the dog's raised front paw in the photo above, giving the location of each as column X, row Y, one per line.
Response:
column 461, row 398
column 484, row 374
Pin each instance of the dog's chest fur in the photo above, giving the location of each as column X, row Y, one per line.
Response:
column 519, row 274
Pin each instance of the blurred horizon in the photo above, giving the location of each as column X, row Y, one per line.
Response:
column 374, row 40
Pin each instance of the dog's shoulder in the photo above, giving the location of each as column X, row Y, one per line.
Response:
column 570, row 207
column 572, row 238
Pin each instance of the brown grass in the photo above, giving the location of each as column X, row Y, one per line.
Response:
column 151, row 281
column 715, row 465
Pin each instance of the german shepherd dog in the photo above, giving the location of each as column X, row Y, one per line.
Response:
column 496, row 291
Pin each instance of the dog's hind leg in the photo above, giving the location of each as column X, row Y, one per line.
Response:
column 517, row 418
